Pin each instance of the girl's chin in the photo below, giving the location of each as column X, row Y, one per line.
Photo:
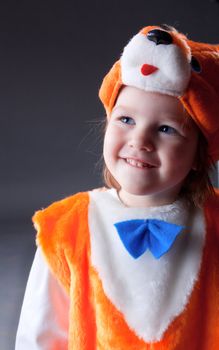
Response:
column 145, row 198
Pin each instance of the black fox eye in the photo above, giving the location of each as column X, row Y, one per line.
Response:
column 195, row 65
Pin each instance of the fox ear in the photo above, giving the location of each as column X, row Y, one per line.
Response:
column 110, row 87
column 167, row 27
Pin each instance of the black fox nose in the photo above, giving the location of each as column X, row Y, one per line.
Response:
column 159, row 37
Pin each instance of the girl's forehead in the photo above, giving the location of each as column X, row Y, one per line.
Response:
column 138, row 101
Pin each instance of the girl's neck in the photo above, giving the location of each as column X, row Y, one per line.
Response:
column 132, row 200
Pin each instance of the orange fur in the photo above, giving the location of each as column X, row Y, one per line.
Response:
column 95, row 323
column 113, row 83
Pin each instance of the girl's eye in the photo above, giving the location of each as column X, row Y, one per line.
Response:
column 167, row 129
column 127, row 120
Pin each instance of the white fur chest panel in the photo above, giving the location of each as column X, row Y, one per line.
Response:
column 150, row 293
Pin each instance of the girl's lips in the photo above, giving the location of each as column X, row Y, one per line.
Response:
column 138, row 163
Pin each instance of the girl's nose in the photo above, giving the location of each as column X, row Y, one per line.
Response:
column 141, row 142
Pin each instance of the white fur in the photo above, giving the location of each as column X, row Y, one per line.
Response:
column 150, row 293
column 173, row 74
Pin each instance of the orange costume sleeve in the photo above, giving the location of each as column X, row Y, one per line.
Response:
column 95, row 323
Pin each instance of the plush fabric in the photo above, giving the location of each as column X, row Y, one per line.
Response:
column 176, row 75
column 62, row 235
column 149, row 293
column 95, row 322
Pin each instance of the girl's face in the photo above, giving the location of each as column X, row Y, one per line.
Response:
column 149, row 147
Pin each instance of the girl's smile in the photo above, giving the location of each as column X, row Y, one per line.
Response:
column 138, row 163
column 149, row 146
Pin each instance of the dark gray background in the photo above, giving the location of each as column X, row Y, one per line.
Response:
column 53, row 56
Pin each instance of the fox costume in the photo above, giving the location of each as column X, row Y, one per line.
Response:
column 118, row 302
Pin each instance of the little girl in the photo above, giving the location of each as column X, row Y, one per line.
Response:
column 136, row 266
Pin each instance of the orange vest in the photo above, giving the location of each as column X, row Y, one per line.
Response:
column 95, row 323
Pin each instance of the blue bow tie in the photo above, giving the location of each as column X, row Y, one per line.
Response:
column 140, row 235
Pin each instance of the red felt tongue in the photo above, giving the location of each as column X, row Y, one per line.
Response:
column 147, row 69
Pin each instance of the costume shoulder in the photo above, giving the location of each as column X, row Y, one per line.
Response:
column 61, row 229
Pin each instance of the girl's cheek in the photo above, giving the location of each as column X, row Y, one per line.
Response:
column 113, row 134
column 108, row 144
